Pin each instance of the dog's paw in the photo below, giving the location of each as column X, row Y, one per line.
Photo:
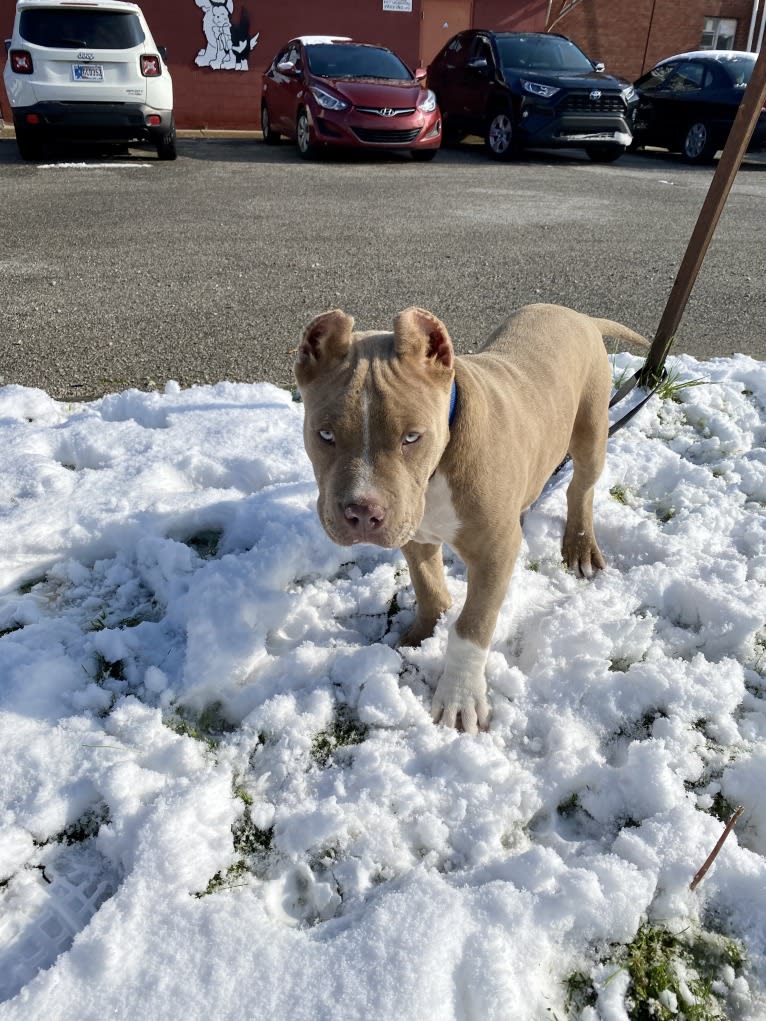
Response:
column 461, row 699
column 581, row 554
column 415, row 635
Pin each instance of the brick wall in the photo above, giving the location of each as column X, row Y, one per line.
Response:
column 630, row 36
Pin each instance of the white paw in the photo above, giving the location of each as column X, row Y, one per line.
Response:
column 453, row 699
column 462, row 690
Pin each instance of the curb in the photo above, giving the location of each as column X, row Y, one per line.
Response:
column 6, row 131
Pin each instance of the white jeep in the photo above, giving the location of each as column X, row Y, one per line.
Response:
column 87, row 72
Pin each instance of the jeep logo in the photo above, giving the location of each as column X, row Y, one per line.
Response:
column 85, row 55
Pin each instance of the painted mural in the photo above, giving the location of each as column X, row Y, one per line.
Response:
column 228, row 43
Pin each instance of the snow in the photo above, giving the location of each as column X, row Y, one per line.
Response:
column 185, row 656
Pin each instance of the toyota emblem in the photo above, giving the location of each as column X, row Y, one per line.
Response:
column 596, row 94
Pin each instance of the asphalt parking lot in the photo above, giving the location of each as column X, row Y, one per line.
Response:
column 123, row 271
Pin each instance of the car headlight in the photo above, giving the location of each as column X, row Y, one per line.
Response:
column 538, row 89
column 428, row 103
column 327, row 101
column 629, row 93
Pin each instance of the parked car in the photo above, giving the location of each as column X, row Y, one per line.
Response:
column 331, row 91
column 519, row 89
column 87, row 72
column 687, row 103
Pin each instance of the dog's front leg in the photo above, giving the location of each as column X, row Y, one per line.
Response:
column 462, row 689
column 427, row 574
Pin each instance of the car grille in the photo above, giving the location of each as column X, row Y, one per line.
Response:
column 389, row 112
column 382, row 137
column 607, row 102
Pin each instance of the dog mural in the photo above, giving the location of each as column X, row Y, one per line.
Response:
column 229, row 43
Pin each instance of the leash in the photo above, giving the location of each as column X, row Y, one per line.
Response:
column 652, row 374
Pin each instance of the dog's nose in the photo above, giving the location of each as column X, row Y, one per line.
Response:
column 365, row 516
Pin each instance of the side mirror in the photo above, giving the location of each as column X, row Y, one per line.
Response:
column 601, row 66
column 288, row 68
column 420, row 74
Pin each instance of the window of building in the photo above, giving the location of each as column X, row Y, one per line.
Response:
column 718, row 34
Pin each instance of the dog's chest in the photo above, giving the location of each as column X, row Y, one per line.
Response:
column 440, row 521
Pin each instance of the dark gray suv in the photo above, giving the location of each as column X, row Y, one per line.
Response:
column 518, row 89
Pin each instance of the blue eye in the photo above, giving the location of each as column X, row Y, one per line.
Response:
column 411, row 438
column 327, row 435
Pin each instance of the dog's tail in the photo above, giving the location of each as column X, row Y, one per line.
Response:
column 609, row 328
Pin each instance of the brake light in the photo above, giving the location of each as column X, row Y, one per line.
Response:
column 154, row 120
column 21, row 62
column 151, row 65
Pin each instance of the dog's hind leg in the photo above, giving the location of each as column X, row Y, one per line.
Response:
column 587, row 447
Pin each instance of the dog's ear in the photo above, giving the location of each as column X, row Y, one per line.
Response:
column 419, row 334
column 326, row 339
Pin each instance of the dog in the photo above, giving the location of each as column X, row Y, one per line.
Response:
column 413, row 446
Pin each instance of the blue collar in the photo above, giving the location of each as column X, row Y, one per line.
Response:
column 452, row 404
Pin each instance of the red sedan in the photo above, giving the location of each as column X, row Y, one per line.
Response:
column 331, row 91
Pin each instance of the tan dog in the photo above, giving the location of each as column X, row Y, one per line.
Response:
column 396, row 468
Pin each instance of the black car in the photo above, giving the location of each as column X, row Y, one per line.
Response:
column 687, row 103
column 520, row 89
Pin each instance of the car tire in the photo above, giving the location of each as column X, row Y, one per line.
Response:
column 605, row 153
column 306, row 148
column 166, row 144
column 500, row 136
column 30, row 146
column 423, row 155
column 697, row 145
column 270, row 136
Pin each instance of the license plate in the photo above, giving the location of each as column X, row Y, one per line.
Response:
column 87, row 72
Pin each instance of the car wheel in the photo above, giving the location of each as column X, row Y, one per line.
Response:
column 423, row 155
column 166, row 145
column 500, row 137
column 306, row 147
column 605, row 153
column 270, row 136
column 698, row 145
column 30, row 146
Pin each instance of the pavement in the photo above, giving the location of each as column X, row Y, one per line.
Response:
column 127, row 271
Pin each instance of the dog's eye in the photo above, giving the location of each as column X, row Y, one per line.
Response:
column 327, row 435
column 411, row 438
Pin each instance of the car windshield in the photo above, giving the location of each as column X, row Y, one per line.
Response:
column 541, row 53
column 339, row 60
column 61, row 27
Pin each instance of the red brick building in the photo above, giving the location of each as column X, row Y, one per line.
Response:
column 630, row 36
column 220, row 88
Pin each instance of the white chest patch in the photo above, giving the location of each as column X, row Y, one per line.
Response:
column 440, row 521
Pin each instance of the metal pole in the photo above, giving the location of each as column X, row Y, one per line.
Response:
column 763, row 25
column 723, row 179
column 753, row 18
column 649, row 35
